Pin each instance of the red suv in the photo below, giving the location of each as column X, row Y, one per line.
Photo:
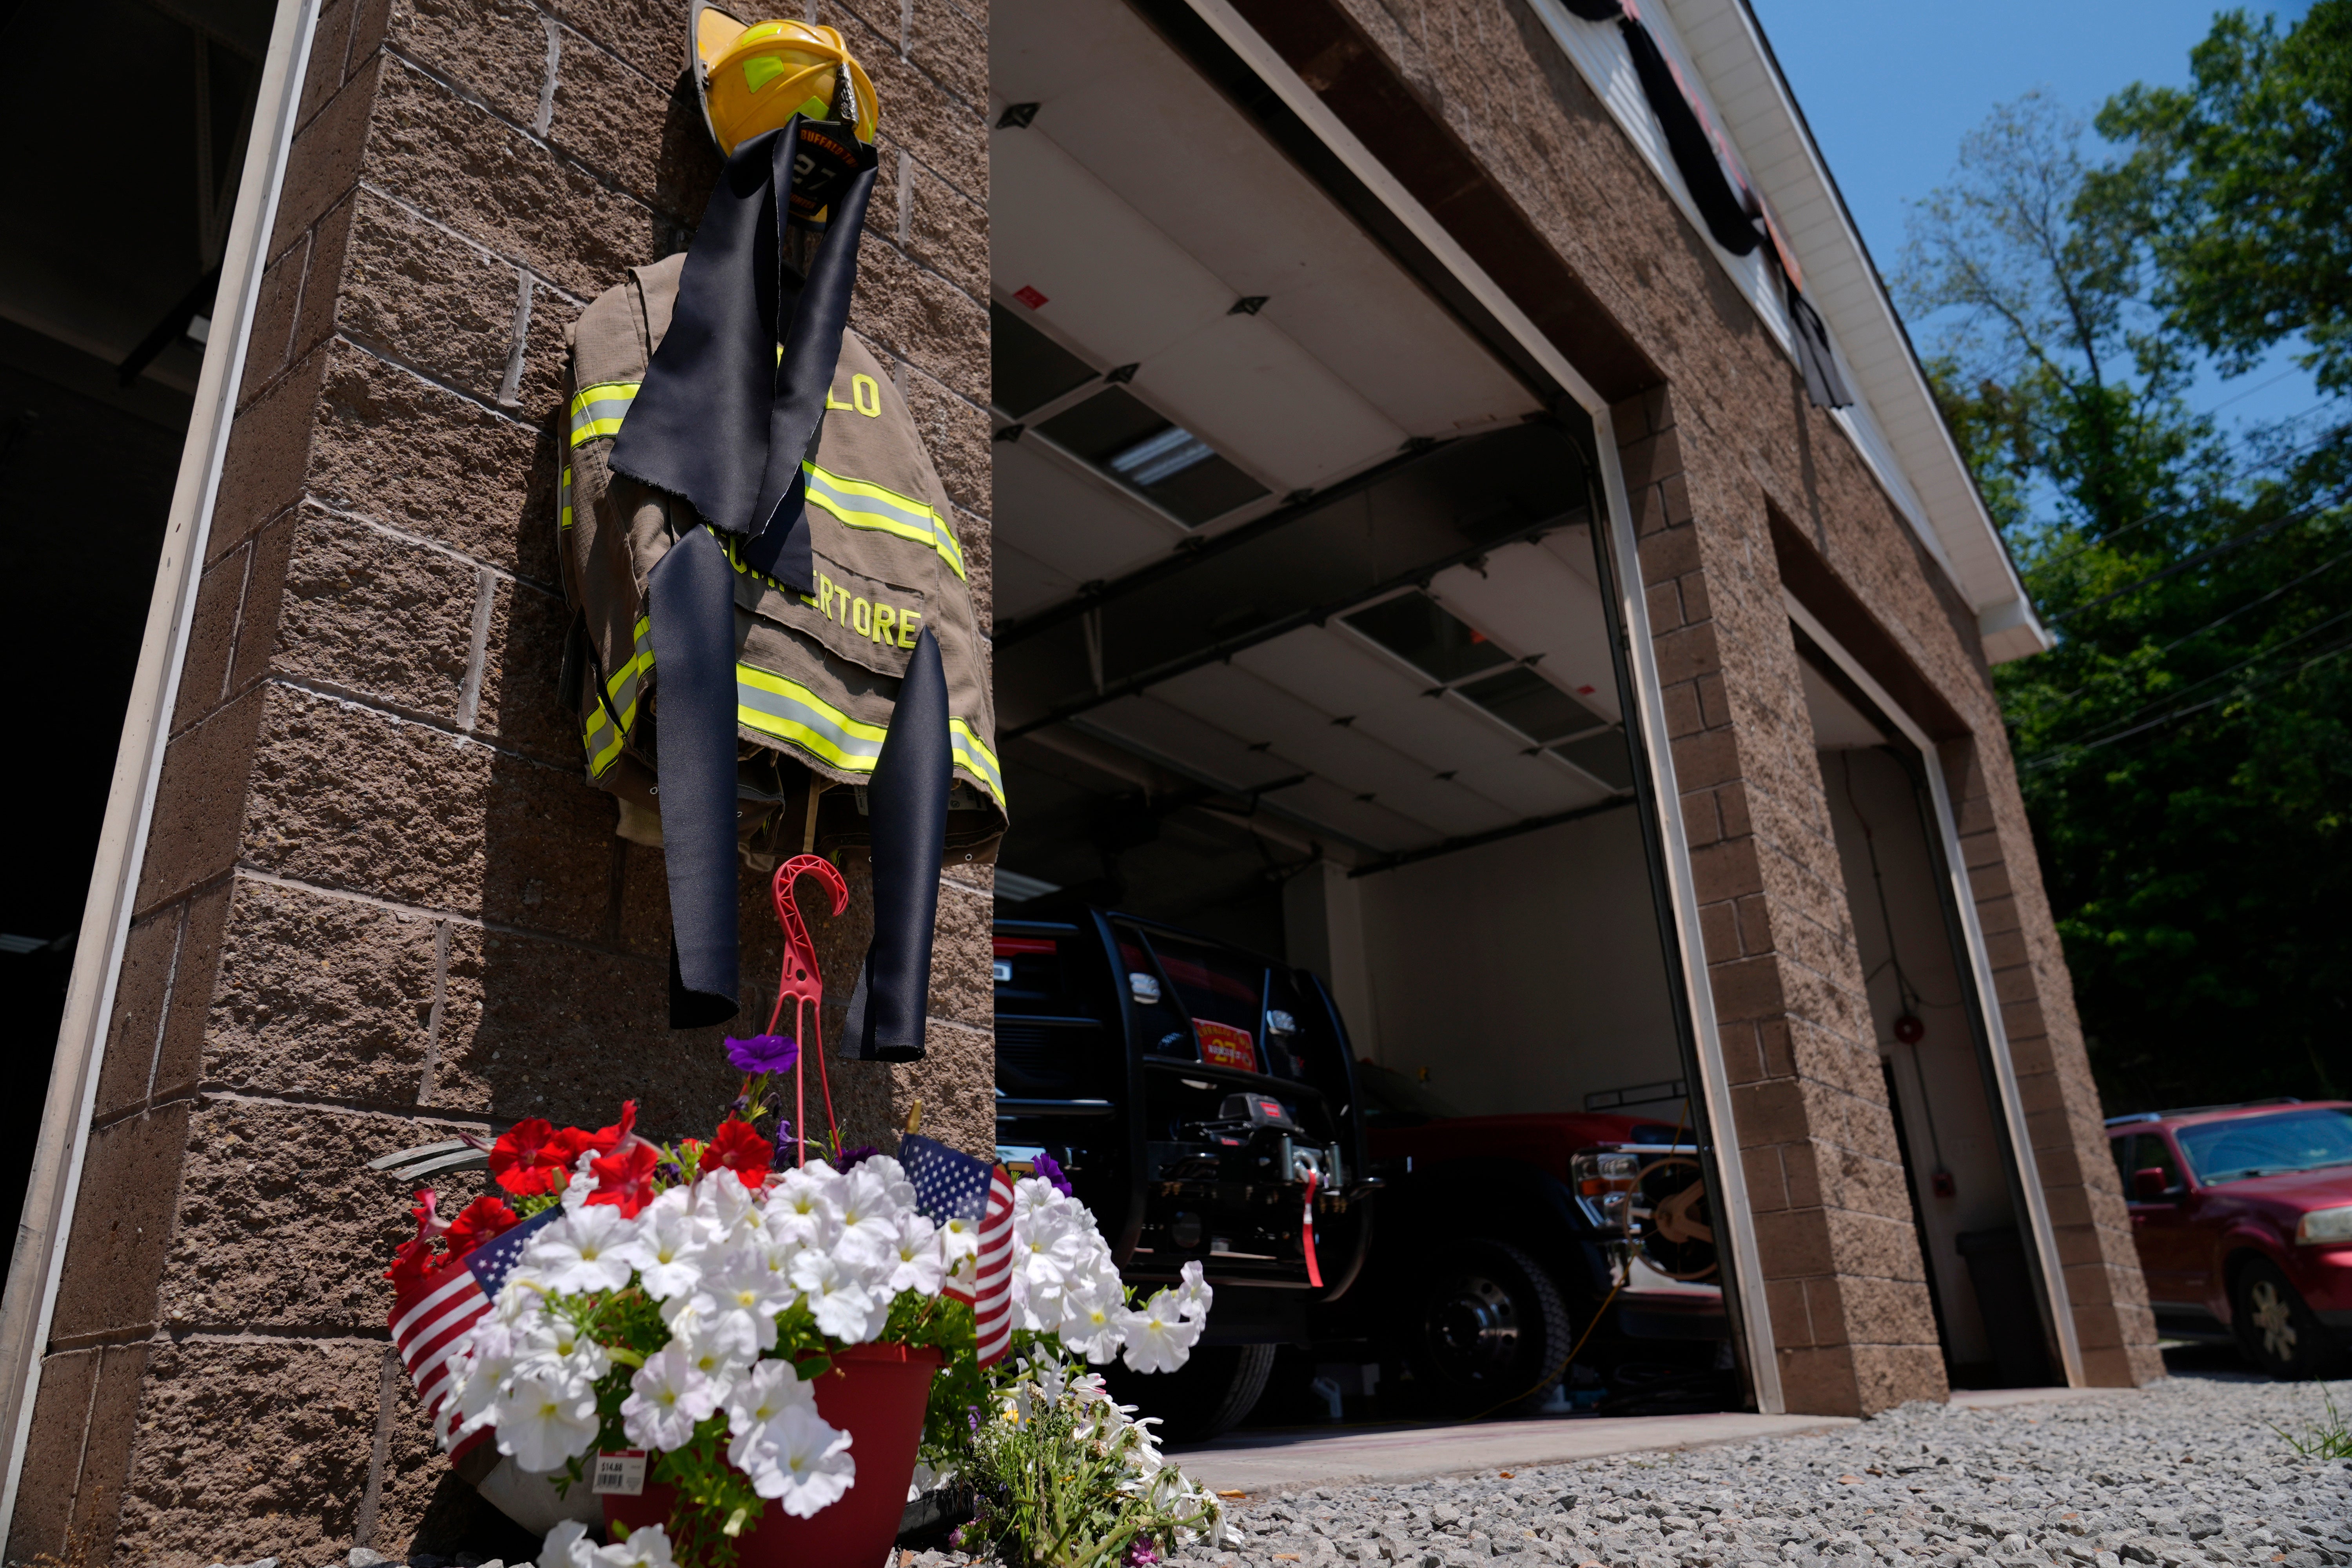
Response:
column 2243, row 1215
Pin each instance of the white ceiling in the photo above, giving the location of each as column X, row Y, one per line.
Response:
column 1327, row 702
column 1838, row 724
column 1141, row 205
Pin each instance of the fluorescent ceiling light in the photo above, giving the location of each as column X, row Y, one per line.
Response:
column 1155, row 458
column 1015, row 888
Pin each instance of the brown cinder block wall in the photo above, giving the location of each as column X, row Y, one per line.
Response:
column 379, row 901
column 1472, row 106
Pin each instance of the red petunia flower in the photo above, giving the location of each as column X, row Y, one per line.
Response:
column 627, row 1178
column 484, row 1219
column 413, row 1262
column 617, row 1135
column 527, row 1161
column 417, row 1258
column 740, row 1148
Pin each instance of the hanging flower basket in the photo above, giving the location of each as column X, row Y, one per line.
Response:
column 737, row 1345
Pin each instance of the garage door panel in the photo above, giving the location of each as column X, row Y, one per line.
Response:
column 1530, row 786
column 1057, row 229
column 1320, row 800
column 1243, row 386
column 1330, row 672
column 1072, row 523
column 1530, row 603
column 1122, row 104
column 1021, row 583
column 1199, row 748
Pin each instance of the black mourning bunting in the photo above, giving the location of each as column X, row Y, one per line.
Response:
column 1728, row 211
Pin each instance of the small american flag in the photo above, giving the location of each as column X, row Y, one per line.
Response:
column 951, row 1184
column 428, row 1315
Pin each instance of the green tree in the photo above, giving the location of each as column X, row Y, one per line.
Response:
column 2239, row 185
column 2183, row 750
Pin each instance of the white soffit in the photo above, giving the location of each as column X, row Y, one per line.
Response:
column 1894, row 423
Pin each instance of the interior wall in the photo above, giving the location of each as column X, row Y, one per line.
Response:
column 1523, row 974
column 1948, row 1119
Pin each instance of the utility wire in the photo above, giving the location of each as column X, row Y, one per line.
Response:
column 2211, row 552
column 2208, row 680
column 2280, row 461
column 2068, row 699
column 2066, row 753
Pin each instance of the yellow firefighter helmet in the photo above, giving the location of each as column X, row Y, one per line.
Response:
column 756, row 75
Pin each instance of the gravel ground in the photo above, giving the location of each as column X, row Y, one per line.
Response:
column 2188, row 1473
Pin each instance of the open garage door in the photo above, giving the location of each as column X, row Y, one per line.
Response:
column 1304, row 643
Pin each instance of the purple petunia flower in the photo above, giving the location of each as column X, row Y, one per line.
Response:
column 785, row 1142
column 1048, row 1169
column 764, row 1053
column 851, row 1158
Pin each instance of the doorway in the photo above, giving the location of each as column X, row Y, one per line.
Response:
column 1974, row 1240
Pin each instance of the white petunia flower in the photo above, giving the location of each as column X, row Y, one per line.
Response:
column 481, row 1361
column 582, row 1251
column 1193, row 1296
column 553, row 1341
column 726, row 1210
column 1157, row 1339
column 917, row 1262
column 869, row 1228
column 844, row 1308
column 568, row 1546
column 745, row 1297
column 583, row 1184
column 720, row 1346
column 544, row 1419
column 1092, row 1320
column 801, row 1211
column 670, row 1393
column 668, row 1250
column 960, row 1239
column 755, row 1404
column 805, row 1463
column 647, row 1547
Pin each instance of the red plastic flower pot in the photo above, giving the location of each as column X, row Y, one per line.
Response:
column 876, row 1394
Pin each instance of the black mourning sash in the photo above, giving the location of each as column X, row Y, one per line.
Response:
column 906, row 807
column 720, row 420
column 723, row 422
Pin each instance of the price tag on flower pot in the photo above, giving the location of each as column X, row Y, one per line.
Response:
column 621, row 1474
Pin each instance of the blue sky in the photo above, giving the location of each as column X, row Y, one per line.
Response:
column 1891, row 86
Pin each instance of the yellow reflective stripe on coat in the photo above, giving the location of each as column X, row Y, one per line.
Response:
column 617, row 705
column 977, row 759
column 563, row 498
column 777, row 705
column 597, row 411
column 860, row 503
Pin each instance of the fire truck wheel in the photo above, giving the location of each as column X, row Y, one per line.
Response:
column 1490, row 1332
column 1213, row 1392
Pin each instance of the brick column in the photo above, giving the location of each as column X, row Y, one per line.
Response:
column 1852, row 1321
column 2106, row 1288
column 379, row 901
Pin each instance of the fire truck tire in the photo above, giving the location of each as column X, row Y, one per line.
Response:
column 1490, row 1331
column 1209, row 1393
